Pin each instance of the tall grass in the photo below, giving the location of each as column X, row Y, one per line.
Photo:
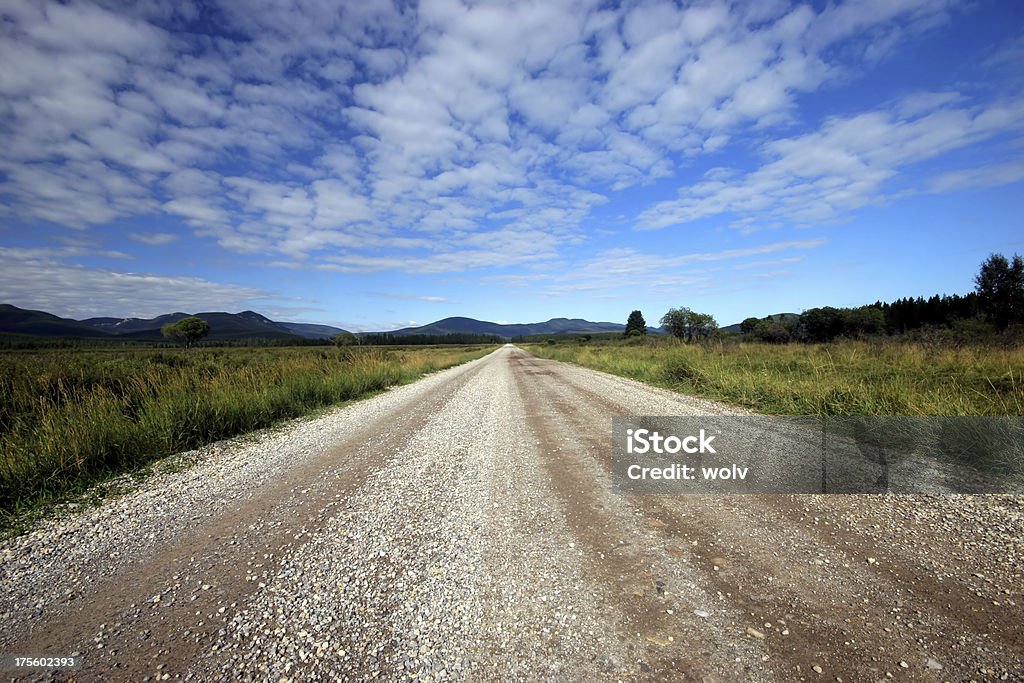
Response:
column 69, row 418
column 845, row 378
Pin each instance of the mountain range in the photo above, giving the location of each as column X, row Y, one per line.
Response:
column 252, row 325
column 472, row 326
column 223, row 326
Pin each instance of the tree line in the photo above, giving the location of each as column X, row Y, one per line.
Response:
column 996, row 303
column 386, row 339
column 190, row 330
column 683, row 323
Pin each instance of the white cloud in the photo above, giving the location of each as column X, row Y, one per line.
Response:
column 924, row 102
column 42, row 279
column 412, row 297
column 620, row 268
column 872, row 23
column 439, row 137
column 844, row 165
column 984, row 176
column 152, row 239
column 199, row 212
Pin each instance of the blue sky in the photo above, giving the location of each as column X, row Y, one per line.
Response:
column 373, row 165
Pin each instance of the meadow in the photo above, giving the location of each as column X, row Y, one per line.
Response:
column 884, row 377
column 72, row 417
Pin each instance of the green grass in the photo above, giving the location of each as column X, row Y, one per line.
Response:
column 72, row 418
column 845, row 378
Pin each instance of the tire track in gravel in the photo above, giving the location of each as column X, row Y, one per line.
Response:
column 469, row 530
column 648, row 593
column 450, row 562
column 143, row 621
column 842, row 628
column 955, row 613
column 962, row 609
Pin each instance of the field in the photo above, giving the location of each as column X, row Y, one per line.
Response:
column 72, row 417
column 69, row 418
column 844, row 378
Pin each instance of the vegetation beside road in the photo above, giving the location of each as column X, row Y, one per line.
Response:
column 945, row 356
column 70, row 418
column 879, row 377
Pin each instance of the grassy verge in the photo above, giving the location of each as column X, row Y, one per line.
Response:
column 846, row 378
column 72, row 418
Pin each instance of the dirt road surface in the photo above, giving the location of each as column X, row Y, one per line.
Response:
column 465, row 527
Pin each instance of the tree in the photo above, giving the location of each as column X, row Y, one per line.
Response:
column 635, row 324
column 687, row 324
column 345, row 339
column 865, row 321
column 771, row 331
column 749, row 325
column 1000, row 287
column 187, row 330
column 821, row 324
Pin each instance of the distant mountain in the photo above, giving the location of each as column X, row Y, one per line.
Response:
column 223, row 326
column 131, row 325
column 252, row 325
column 41, row 324
column 312, row 330
column 473, row 326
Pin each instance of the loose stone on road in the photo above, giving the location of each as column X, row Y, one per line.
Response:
column 465, row 527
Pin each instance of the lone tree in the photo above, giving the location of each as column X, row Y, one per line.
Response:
column 686, row 324
column 187, row 330
column 635, row 325
column 1000, row 287
column 345, row 339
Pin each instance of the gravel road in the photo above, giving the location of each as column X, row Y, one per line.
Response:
column 466, row 527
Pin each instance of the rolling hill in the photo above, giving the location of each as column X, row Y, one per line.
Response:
column 133, row 325
column 223, row 326
column 252, row 325
column 312, row 330
column 460, row 325
column 41, row 324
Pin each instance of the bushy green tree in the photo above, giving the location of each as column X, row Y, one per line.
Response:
column 865, row 321
column 821, row 324
column 635, row 324
column 688, row 324
column 187, row 330
column 345, row 339
column 1000, row 287
column 749, row 325
column 772, row 331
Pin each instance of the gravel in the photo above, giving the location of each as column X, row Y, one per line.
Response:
column 448, row 564
column 466, row 528
column 77, row 549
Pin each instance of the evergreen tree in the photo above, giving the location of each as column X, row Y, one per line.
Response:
column 1000, row 287
column 635, row 324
